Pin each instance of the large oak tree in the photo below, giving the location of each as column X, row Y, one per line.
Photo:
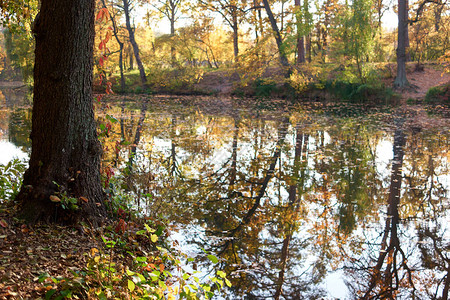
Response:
column 65, row 156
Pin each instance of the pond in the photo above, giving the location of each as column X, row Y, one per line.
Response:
column 304, row 201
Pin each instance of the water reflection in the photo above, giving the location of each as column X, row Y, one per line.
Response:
column 15, row 124
column 299, row 204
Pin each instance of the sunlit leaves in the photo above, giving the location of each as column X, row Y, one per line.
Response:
column 102, row 14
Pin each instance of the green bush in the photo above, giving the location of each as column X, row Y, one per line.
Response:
column 264, row 88
column 11, row 178
column 438, row 94
column 357, row 92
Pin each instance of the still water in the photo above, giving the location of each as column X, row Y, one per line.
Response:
column 306, row 201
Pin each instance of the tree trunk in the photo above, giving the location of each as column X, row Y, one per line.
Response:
column 116, row 36
column 283, row 59
column 65, row 156
column 400, row 80
column 133, row 41
column 300, row 38
column 172, row 35
column 308, row 47
column 235, row 36
column 130, row 60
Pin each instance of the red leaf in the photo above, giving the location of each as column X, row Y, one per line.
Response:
column 102, row 14
column 3, row 223
column 100, row 61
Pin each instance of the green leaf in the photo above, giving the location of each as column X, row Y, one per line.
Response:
column 227, row 282
column 162, row 284
column 102, row 296
column 111, row 118
column 141, row 259
column 160, row 230
column 149, row 229
column 213, row 259
column 141, row 277
column 221, row 274
column 131, row 285
column 42, row 277
column 49, row 294
column 207, row 288
column 186, row 276
column 130, row 273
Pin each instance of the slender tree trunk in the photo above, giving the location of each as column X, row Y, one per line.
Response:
column 122, row 77
column 233, row 169
column 400, row 80
column 65, row 156
column 407, row 42
column 283, row 59
column 133, row 41
column 326, row 24
column 116, row 36
column 137, row 136
column 308, row 48
column 172, row 35
column 130, row 61
column 235, row 36
column 300, row 38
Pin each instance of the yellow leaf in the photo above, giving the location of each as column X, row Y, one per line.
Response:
column 94, row 251
column 154, row 238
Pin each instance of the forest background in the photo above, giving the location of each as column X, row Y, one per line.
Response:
column 218, row 47
column 347, row 48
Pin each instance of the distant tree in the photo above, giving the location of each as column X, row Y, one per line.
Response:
column 361, row 34
column 65, row 156
column 232, row 12
column 115, row 33
column 277, row 34
column 127, row 6
column 170, row 9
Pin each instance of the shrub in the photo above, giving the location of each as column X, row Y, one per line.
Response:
column 438, row 94
column 11, row 178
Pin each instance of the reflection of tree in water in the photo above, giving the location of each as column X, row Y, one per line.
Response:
column 20, row 128
column 386, row 284
column 283, row 205
column 395, row 271
column 434, row 246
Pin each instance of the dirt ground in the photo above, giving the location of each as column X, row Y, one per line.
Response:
column 422, row 81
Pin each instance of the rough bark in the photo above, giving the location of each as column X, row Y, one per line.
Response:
column 126, row 8
column 65, row 148
column 401, row 80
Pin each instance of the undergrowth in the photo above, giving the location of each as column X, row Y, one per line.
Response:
column 134, row 258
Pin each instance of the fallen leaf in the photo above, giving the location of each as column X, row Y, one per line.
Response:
column 3, row 223
column 84, row 199
column 54, row 198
